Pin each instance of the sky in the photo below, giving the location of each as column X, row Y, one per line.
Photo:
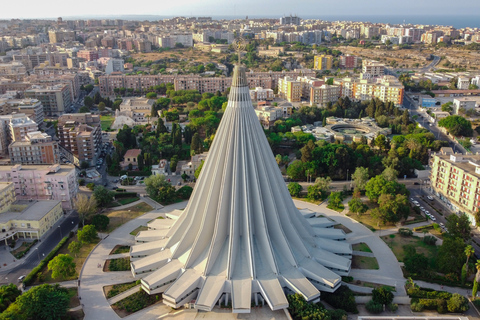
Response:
column 224, row 8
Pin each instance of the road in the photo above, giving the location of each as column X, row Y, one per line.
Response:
column 46, row 245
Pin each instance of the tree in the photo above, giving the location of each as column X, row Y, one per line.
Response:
column 101, row 106
column 382, row 295
column 151, row 95
column 85, row 206
column 379, row 185
column 457, row 125
column 62, row 266
column 196, row 147
column 357, row 206
column 160, row 127
column 8, row 294
column 88, row 234
column 184, row 192
column 360, row 177
column 43, row 302
column 74, row 247
column 173, row 163
column 84, row 165
column 319, row 189
column 103, row 195
column 83, row 109
column 198, row 170
column 296, row 170
column 294, row 188
column 447, row 107
column 100, row 222
column 160, row 189
column 335, row 200
column 88, row 102
column 459, row 226
column 469, row 251
column 450, row 255
column 140, row 162
column 390, row 174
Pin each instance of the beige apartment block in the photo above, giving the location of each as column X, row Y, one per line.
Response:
column 455, row 178
column 38, row 148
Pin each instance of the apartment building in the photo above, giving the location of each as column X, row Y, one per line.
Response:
column 14, row 127
column 57, row 36
column 88, row 55
column 349, row 61
column 7, row 196
column 322, row 62
column 290, row 89
column 114, row 65
column 55, row 99
column 387, row 89
column 12, row 69
column 110, row 84
column 307, row 84
column 30, row 61
column 44, row 79
column 81, row 135
column 322, row 95
column 42, row 182
column 32, row 108
column 37, row 148
column 268, row 115
column 261, row 94
column 464, row 103
column 455, row 178
column 463, row 83
column 372, row 69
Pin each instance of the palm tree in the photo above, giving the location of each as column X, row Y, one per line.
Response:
column 469, row 251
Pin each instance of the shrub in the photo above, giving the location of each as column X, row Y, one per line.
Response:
column 342, row 298
column 81, row 182
column 382, row 295
column 184, row 192
column 430, row 240
column 122, row 264
column 392, row 307
column 457, row 303
column 417, row 307
column 374, row 307
column 294, row 188
column 405, row 232
column 100, row 222
column 338, row 314
column 91, row 185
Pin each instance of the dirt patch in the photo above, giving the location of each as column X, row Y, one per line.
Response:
column 360, row 262
column 342, row 227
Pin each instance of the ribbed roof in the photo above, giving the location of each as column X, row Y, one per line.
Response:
column 241, row 231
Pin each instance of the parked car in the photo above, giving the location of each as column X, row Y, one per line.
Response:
column 429, row 197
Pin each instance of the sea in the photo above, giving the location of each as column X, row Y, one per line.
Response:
column 456, row 21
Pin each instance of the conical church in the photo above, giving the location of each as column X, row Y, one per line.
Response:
column 240, row 240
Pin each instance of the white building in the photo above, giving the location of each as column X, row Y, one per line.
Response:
column 463, row 83
column 465, row 103
column 114, row 65
column 260, row 94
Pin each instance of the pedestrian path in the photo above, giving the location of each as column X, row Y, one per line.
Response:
column 93, row 279
column 123, row 295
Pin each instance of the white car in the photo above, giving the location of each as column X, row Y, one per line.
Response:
column 433, row 218
column 429, row 197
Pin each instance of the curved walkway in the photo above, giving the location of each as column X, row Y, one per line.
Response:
column 93, row 279
column 389, row 272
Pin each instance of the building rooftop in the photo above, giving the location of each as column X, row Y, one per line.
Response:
column 56, row 169
column 132, row 153
column 34, row 211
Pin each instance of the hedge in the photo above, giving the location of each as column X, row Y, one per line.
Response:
column 31, row 276
column 427, row 293
column 125, row 195
column 426, row 227
column 132, row 174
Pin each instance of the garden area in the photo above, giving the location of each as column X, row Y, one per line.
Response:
column 138, row 229
column 120, row 249
column 116, row 289
column 119, row 217
column 23, row 249
column 106, row 122
column 135, row 302
column 121, row 264
column 361, row 262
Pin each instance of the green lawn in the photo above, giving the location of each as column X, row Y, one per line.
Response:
column 120, row 249
column 106, row 122
column 112, row 291
column 137, row 230
column 360, row 262
column 397, row 243
column 362, row 246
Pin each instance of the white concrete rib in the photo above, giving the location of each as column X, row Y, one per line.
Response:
column 240, row 234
